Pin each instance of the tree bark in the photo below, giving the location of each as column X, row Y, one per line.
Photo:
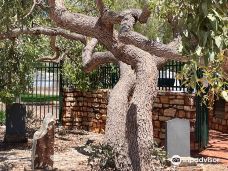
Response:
column 117, row 115
column 139, row 117
column 131, row 133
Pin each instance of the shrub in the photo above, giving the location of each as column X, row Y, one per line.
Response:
column 102, row 157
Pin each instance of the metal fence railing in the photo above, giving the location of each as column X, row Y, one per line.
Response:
column 107, row 76
column 167, row 77
column 46, row 93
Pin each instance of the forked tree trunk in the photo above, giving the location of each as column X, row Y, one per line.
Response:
column 129, row 125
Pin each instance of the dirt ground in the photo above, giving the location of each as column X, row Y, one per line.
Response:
column 67, row 156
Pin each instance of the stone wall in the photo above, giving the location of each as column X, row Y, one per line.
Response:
column 88, row 111
column 219, row 124
column 169, row 105
column 85, row 110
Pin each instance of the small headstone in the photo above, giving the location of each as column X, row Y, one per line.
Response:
column 43, row 144
column 15, row 123
column 178, row 137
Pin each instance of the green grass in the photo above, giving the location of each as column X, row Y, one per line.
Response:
column 38, row 98
column 2, row 117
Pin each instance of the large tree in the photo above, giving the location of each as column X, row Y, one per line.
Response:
column 129, row 128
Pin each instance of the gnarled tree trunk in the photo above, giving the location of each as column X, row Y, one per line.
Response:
column 131, row 133
column 129, row 123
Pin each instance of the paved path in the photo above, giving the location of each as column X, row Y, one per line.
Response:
column 218, row 147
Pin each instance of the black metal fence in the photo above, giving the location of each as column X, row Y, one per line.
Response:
column 167, row 77
column 107, row 76
column 44, row 96
column 46, row 93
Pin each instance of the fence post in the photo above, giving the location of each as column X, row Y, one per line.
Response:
column 202, row 128
column 60, row 91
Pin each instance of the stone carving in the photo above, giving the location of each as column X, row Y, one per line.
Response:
column 43, row 144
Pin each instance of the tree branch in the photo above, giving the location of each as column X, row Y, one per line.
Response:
column 144, row 16
column 31, row 10
column 54, row 59
column 45, row 31
column 88, row 50
column 54, row 48
column 89, row 26
column 91, row 60
column 158, row 49
column 101, row 7
column 99, row 58
column 79, row 23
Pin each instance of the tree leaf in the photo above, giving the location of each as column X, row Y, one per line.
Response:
column 198, row 50
column 225, row 95
column 211, row 56
column 218, row 41
column 211, row 17
column 204, row 8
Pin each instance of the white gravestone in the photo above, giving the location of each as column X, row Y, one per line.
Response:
column 178, row 137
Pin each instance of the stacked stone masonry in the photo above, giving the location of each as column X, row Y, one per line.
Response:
column 88, row 111
column 85, row 110
column 219, row 124
column 170, row 105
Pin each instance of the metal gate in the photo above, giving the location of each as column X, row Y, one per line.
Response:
column 45, row 95
column 202, row 127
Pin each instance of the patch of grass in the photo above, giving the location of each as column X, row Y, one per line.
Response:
column 2, row 117
column 38, row 98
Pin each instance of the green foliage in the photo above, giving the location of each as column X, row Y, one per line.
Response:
column 15, row 70
column 204, row 40
column 18, row 56
column 74, row 74
column 203, row 27
column 159, row 153
column 102, row 157
column 2, row 117
column 38, row 98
